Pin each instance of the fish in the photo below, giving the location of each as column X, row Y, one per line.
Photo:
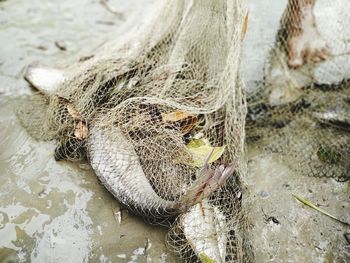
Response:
column 117, row 165
column 205, row 229
column 46, row 80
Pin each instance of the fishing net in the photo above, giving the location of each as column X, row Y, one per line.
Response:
column 300, row 112
column 169, row 98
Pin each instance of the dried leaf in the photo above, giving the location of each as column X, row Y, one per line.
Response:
column 188, row 126
column 245, row 26
column 308, row 203
column 200, row 150
column 176, row 116
column 185, row 121
column 81, row 131
column 73, row 111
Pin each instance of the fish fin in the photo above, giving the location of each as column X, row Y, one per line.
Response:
column 46, row 80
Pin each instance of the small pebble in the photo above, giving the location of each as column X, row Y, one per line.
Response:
column 286, row 186
column 264, row 194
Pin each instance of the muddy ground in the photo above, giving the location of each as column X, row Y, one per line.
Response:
column 58, row 212
column 282, row 229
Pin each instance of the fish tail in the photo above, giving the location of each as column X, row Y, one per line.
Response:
column 208, row 182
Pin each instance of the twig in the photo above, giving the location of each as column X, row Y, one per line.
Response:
column 308, row 203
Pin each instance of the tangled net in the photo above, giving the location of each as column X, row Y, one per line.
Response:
column 173, row 90
column 304, row 113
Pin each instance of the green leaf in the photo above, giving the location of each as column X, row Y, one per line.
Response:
column 205, row 259
column 327, row 155
column 195, row 143
column 200, row 150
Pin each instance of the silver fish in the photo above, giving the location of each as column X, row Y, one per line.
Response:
column 205, row 229
column 117, row 165
column 45, row 80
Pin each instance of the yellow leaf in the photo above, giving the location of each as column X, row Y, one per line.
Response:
column 200, row 151
column 195, row 143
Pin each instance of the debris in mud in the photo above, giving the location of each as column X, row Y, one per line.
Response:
column 85, row 58
column 103, row 22
column 111, row 9
column 264, row 194
column 117, row 213
column 61, row 45
column 148, row 245
column 43, row 193
column 269, row 219
column 309, row 204
column 273, row 220
column 43, row 48
column 245, row 26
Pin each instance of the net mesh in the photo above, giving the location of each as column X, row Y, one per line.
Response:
column 172, row 88
column 170, row 84
column 300, row 106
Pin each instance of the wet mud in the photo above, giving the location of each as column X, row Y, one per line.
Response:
column 58, row 211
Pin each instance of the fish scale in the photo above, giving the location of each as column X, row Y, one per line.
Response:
column 116, row 164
